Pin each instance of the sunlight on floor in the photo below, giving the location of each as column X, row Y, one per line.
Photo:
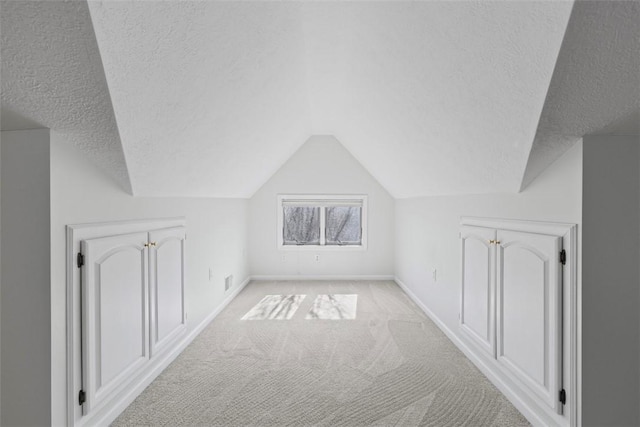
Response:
column 325, row 307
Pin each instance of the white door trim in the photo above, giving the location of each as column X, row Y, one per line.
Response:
column 75, row 234
column 572, row 296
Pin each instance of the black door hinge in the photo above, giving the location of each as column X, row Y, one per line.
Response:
column 563, row 396
column 82, row 397
column 80, row 260
column 563, row 257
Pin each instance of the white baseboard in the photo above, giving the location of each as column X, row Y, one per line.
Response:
column 219, row 309
column 108, row 416
column 261, row 277
column 532, row 415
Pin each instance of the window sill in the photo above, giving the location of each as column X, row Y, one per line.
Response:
column 325, row 248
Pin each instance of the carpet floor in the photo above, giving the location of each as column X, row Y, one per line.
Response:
column 390, row 366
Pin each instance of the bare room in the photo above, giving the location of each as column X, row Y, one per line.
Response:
column 320, row 213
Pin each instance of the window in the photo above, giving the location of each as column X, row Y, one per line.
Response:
column 301, row 225
column 314, row 222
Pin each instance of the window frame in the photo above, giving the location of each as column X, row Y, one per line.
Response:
column 322, row 201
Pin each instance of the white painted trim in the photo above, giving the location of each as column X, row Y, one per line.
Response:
column 490, row 344
column 569, row 234
column 179, row 234
column 325, row 248
column 505, row 388
column 76, row 233
column 575, row 328
column 115, row 409
column 262, row 278
column 322, row 246
column 551, row 228
column 132, row 225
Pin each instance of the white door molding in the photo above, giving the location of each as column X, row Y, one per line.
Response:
column 115, row 294
column 477, row 296
column 166, row 287
column 571, row 306
column 75, row 234
column 529, row 312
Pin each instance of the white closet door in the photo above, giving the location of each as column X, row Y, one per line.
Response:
column 167, row 266
column 530, row 312
column 477, row 311
column 114, row 314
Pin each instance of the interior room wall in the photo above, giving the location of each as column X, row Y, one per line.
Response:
column 81, row 193
column 321, row 166
column 428, row 253
column 26, row 346
column 427, row 229
column 0, row 277
column 611, row 281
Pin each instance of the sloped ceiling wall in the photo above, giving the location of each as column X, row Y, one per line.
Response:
column 596, row 83
column 211, row 98
column 51, row 76
column 432, row 97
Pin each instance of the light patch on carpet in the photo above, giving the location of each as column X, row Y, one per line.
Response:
column 275, row 307
column 333, row 307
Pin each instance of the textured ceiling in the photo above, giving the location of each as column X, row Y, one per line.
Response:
column 52, row 76
column 596, row 84
column 211, row 98
column 629, row 126
column 432, row 97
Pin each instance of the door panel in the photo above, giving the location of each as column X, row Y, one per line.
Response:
column 167, row 263
column 529, row 304
column 114, row 313
column 477, row 312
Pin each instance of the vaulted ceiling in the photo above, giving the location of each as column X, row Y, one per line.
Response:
column 210, row 98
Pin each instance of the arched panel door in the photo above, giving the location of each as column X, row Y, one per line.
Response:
column 115, row 343
column 529, row 312
column 167, row 286
column 477, row 311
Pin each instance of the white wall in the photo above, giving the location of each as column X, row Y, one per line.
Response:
column 427, row 229
column 0, row 278
column 26, row 345
column 81, row 193
column 611, row 281
column 421, row 232
column 321, row 166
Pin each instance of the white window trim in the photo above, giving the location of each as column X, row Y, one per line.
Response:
column 319, row 198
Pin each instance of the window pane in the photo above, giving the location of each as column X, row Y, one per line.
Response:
column 301, row 225
column 343, row 226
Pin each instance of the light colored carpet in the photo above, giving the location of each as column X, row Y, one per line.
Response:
column 391, row 366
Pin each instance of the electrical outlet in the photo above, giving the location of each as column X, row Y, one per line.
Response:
column 283, row 258
column 210, row 273
column 434, row 274
column 228, row 282
column 317, row 258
